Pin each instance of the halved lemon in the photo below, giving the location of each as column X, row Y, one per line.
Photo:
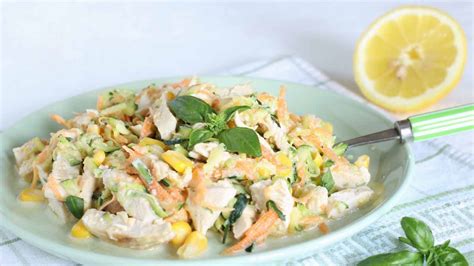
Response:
column 410, row 58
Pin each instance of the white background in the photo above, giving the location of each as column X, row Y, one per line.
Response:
column 51, row 51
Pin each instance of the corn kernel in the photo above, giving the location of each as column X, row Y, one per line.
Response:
column 194, row 246
column 177, row 160
column 149, row 141
column 283, row 159
column 263, row 171
column 181, row 230
column 363, row 161
column 318, row 160
column 285, row 166
column 99, row 157
column 32, row 195
column 284, row 172
column 79, row 230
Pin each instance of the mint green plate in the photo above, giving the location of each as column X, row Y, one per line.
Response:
column 391, row 165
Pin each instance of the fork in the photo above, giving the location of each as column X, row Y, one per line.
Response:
column 423, row 127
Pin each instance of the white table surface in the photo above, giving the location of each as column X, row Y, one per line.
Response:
column 51, row 51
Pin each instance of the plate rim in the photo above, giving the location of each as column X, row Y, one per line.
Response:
column 281, row 253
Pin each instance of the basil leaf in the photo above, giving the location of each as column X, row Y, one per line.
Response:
column 272, row 205
column 249, row 249
column 241, row 139
column 165, row 182
column 445, row 244
column 239, row 207
column 199, row 135
column 190, row 109
column 398, row 258
column 447, row 256
column 327, row 181
column 275, row 119
column 418, row 233
column 229, row 113
column 75, row 205
column 340, row 148
column 405, row 240
column 294, row 176
column 143, row 171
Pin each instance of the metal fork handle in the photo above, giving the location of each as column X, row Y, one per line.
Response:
column 423, row 127
column 401, row 131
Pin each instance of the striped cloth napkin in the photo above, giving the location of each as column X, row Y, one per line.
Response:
column 441, row 192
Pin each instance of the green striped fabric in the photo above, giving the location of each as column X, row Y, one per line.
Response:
column 442, row 123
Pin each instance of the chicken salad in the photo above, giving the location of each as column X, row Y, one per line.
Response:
column 172, row 162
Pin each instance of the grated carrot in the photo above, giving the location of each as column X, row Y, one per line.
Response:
column 311, row 220
column 326, row 150
column 301, row 172
column 198, row 176
column 133, row 154
column 298, row 142
column 100, row 103
column 181, row 215
column 263, row 97
column 295, row 118
column 282, row 107
column 182, row 84
column 159, row 192
column 54, row 186
column 43, row 155
column 268, row 154
column 198, row 185
column 58, row 119
column 323, row 227
column 257, row 232
column 147, row 127
column 247, row 167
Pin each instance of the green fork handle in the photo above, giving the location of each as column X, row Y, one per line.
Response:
column 423, row 127
column 442, row 123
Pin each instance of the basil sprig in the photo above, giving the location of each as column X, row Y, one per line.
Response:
column 194, row 110
column 75, row 205
column 419, row 235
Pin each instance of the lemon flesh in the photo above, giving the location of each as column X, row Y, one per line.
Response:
column 410, row 58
